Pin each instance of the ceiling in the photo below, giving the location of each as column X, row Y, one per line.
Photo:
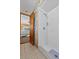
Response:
column 48, row 5
column 28, row 6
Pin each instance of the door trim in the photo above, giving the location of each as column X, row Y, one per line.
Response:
column 32, row 28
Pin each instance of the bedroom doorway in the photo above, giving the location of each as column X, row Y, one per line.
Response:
column 24, row 28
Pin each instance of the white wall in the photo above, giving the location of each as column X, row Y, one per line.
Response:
column 48, row 37
column 42, row 29
column 53, row 28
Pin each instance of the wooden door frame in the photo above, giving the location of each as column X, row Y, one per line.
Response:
column 37, row 28
column 32, row 38
column 32, row 33
column 20, row 23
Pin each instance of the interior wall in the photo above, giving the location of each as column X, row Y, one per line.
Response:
column 48, row 28
column 42, row 28
column 53, row 28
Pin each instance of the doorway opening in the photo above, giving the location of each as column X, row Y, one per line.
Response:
column 28, row 32
column 24, row 28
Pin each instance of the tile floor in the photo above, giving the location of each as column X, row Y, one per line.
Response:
column 27, row 51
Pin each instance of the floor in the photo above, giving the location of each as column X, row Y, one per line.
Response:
column 27, row 51
column 24, row 39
